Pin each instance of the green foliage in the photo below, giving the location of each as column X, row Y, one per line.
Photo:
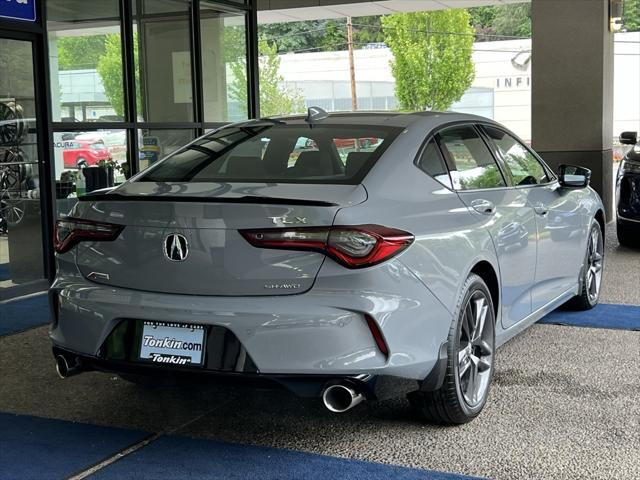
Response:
column 367, row 30
column 75, row 53
column 321, row 35
column 233, row 43
column 631, row 15
column 506, row 20
column 335, row 36
column 431, row 70
column 275, row 99
column 109, row 68
column 513, row 20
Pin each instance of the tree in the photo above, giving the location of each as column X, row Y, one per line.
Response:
column 76, row 53
column 631, row 15
column 275, row 98
column 481, row 19
column 505, row 20
column 109, row 68
column 432, row 69
column 513, row 20
column 321, row 35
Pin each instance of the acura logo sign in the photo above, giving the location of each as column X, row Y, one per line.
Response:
column 176, row 248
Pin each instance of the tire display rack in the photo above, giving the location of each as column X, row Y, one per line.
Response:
column 16, row 180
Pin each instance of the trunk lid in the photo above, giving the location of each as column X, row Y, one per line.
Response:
column 206, row 219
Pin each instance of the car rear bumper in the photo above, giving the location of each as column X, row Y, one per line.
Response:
column 322, row 332
column 373, row 387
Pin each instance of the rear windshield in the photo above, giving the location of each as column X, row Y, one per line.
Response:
column 274, row 152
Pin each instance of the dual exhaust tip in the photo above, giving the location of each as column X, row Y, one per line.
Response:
column 339, row 398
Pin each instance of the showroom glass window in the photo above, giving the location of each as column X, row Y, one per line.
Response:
column 162, row 53
column 154, row 144
column 474, row 166
column 85, row 59
column 224, row 63
column 525, row 169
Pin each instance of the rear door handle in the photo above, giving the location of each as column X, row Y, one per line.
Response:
column 540, row 209
column 483, row 206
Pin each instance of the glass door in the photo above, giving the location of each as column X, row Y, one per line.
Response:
column 21, row 256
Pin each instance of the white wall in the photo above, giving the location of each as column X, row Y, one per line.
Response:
column 503, row 68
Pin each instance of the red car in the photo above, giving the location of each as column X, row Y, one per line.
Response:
column 90, row 152
column 351, row 142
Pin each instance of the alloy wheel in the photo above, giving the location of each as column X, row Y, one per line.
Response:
column 595, row 257
column 475, row 352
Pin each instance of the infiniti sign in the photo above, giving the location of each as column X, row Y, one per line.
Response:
column 176, row 247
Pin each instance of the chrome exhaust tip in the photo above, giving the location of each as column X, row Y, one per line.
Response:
column 340, row 398
column 64, row 369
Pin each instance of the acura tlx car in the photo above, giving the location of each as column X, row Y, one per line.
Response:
column 375, row 270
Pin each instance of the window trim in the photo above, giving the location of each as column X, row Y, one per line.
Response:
column 422, row 149
column 452, row 167
column 548, row 172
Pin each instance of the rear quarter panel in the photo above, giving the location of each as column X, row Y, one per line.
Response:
column 449, row 240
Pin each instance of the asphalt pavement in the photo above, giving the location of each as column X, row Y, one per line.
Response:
column 564, row 404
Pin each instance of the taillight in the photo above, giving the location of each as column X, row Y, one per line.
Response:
column 71, row 231
column 352, row 246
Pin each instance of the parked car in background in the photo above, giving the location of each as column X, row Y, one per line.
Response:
column 366, row 142
column 628, row 193
column 346, row 276
column 85, row 152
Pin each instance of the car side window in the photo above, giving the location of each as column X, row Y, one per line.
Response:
column 432, row 163
column 473, row 165
column 525, row 169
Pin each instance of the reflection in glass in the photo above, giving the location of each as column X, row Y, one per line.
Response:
column 224, row 63
column 163, row 60
column 87, row 161
column 85, row 60
column 155, row 144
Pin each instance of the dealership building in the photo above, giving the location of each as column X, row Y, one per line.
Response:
column 164, row 78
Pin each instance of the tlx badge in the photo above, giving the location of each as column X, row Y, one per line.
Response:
column 288, row 220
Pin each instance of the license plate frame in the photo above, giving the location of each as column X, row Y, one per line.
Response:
column 159, row 344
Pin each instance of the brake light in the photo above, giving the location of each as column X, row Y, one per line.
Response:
column 70, row 231
column 352, row 246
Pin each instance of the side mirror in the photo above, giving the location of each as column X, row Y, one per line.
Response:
column 629, row 138
column 572, row 176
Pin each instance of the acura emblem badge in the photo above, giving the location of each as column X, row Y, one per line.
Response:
column 176, row 247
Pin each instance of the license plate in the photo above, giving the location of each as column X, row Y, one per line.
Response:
column 172, row 343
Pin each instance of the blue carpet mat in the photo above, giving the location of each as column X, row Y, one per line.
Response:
column 19, row 315
column 605, row 315
column 181, row 458
column 5, row 273
column 41, row 448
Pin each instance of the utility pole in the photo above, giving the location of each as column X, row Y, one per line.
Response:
column 352, row 67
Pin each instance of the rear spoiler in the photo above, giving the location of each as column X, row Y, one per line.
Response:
column 116, row 197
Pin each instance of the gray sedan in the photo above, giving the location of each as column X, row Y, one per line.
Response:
column 390, row 256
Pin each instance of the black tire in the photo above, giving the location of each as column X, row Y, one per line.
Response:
column 627, row 236
column 585, row 300
column 81, row 162
column 448, row 404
